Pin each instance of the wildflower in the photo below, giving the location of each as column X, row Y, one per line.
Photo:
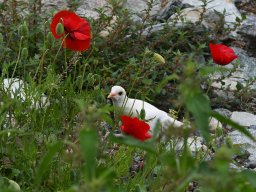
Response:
column 135, row 128
column 222, row 54
column 76, row 34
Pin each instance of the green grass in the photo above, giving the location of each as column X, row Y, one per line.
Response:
column 64, row 147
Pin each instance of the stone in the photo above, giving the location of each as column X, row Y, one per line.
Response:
column 242, row 156
column 153, row 29
column 138, row 7
column 252, row 127
column 214, row 124
column 170, row 8
column 244, row 118
column 193, row 14
column 234, row 166
column 88, row 8
column 251, row 165
column 53, row 5
column 196, row 146
column 247, row 31
column 248, row 26
column 244, row 142
column 224, row 112
column 227, row 84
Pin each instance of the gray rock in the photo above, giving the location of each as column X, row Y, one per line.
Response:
column 248, row 27
column 214, row 124
column 234, row 166
column 224, row 94
column 251, row 165
column 138, row 7
column 248, row 65
column 153, row 29
column 244, row 118
column 244, row 142
column 247, row 33
column 87, row 8
column 242, row 157
column 252, row 127
column 53, row 5
column 193, row 14
column 170, row 8
column 224, row 112
column 196, row 146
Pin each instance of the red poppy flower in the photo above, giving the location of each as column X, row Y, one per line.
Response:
column 222, row 54
column 135, row 127
column 76, row 30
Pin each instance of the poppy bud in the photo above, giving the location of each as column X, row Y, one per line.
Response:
column 59, row 29
column 24, row 53
column 23, row 30
column 50, row 39
column 90, row 79
column 159, row 58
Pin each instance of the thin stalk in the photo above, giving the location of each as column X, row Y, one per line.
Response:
column 18, row 59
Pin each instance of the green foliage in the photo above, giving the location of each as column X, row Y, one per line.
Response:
column 88, row 140
column 62, row 145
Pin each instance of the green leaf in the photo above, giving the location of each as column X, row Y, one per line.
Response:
column 205, row 71
column 251, row 177
column 235, row 125
column 89, row 144
column 142, row 114
column 130, row 141
column 199, row 106
column 45, row 163
column 239, row 86
column 162, row 83
column 243, row 16
column 184, row 183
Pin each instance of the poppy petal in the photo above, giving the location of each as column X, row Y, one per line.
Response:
column 222, row 54
column 135, row 127
column 80, row 36
column 76, row 45
column 77, row 30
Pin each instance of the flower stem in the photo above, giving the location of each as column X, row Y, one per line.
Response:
column 18, row 59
